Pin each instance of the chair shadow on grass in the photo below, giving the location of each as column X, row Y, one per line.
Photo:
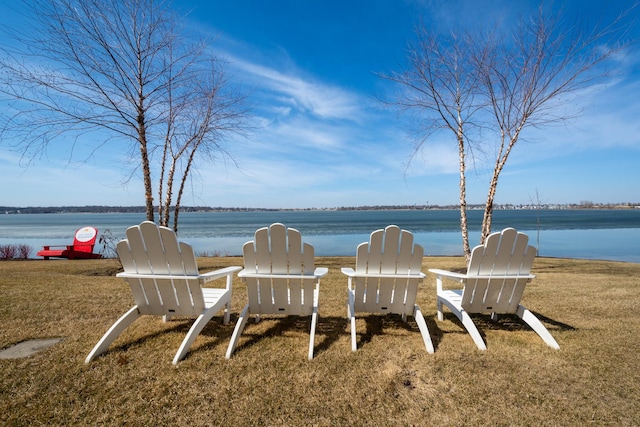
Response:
column 383, row 324
column 504, row 322
column 329, row 329
column 509, row 322
column 181, row 327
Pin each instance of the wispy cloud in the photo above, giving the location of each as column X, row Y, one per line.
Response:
column 293, row 91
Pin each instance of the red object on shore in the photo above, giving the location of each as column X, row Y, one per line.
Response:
column 82, row 247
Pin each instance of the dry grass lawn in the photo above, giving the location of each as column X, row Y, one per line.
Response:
column 591, row 308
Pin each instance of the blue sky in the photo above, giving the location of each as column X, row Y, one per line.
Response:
column 325, row 139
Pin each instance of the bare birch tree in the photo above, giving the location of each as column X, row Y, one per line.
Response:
column 206, row 115
column 122, row 69
column 484, row 87
column 527, row 82
column 441, row 86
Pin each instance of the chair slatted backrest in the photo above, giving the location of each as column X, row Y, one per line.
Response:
column 391, row 252
column 154, row 251
column 85, row 239
column 507, row 257
column 279, row 251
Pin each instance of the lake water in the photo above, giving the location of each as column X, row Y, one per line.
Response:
column 589, row 234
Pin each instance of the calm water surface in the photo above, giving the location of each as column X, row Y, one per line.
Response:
column 589, row 234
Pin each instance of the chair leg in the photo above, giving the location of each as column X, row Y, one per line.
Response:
column 314, row 322
column 352, row 320
column 422, row 325
column 472, row 329
column 440, row 315
column 114, row 331
column 463, row 316
column 227, row 312
column 535, row 324
column 242, row 320
column 196, row 328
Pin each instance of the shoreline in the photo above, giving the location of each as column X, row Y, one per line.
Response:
column 580, row 234
column 97, row 209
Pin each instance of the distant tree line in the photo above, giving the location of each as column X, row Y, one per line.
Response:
column 102, row 209
column 142, row 209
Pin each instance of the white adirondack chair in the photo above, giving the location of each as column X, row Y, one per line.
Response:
column 494, row 283
column 386, row 279
column 281, row 278
column 164, row 279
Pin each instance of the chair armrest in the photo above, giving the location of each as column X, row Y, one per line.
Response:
column 125, row 275
column 216, row 274
column 501, row 276
column 461, row 277
column 46, row 248
column 449, row 274
column 350, row 272
column 67, row 247
column 206, row 277
column 319, row 272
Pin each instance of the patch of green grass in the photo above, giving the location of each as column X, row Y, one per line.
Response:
column 588, row 306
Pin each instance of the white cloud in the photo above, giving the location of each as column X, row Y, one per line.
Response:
column 294, row 92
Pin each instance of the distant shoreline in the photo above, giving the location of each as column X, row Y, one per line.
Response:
column 184, row 209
